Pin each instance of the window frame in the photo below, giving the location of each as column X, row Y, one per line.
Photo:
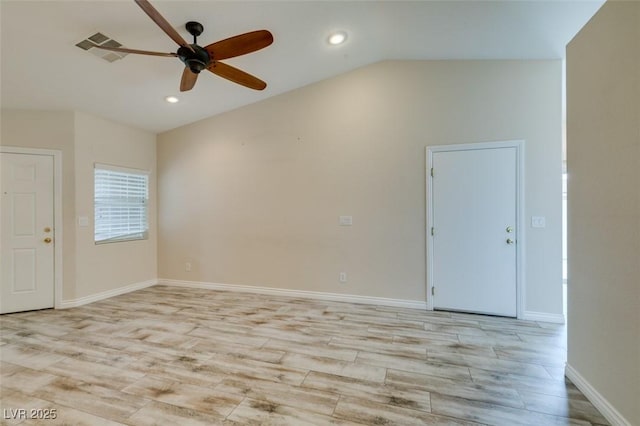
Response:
column 137, row 234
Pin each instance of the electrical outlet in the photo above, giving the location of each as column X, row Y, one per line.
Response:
column 187, row 266
column 346, row 220
column 343, row 277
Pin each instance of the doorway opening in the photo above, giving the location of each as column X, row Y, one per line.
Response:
column 475, row 218
column 31, row 229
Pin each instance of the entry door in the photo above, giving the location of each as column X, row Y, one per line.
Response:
column 474, row 202
column 26, row 218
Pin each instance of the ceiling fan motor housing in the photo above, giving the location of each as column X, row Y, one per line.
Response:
column 197, row 60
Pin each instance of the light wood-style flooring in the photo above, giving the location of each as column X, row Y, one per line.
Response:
column 176, row 356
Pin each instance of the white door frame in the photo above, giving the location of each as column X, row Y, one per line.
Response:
column 57, row 212
column 520, row 222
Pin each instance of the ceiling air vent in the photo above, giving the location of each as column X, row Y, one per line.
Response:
column 99, row 39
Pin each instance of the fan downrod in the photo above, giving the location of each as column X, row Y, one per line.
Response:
column 195, row 29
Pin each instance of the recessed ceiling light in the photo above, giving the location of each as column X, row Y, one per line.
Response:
column 337, row 38
column 171, row 99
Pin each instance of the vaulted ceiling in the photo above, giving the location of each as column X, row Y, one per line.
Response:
column 41, row 68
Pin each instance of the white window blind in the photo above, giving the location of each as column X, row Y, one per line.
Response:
column 120, row 200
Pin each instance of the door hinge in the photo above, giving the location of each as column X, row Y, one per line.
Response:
column 433, row 231
column 432, row 172
column 433, row 291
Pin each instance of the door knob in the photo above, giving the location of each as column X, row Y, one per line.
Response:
column 509, row 229
column 47, row 240
column 510, row 241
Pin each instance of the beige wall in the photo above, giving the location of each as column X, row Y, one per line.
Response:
column 253, row 196
column 603, row 153
column 83, row 140
column 50, row 130
column 105, row 267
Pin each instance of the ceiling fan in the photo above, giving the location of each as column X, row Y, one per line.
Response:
column 197, row 58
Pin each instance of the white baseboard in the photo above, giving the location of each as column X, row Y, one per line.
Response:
column 351, row 298
column 606, row 409
column 72, row 303
column 543, row 316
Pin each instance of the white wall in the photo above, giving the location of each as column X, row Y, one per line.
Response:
column 89, row 270
column 105, row 267
column 253, row 196
column 603, row 159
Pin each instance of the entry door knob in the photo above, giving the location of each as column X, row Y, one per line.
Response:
column 510, row 241
column 47, row 240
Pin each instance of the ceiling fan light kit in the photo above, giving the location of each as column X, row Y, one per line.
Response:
column 197, row 58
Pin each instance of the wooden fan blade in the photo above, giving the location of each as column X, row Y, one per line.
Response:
column 138, row 52
column 239, row 45
column 162, row 23
column 188, row 80
column 236, row 75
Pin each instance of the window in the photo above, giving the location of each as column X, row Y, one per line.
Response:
column 121, row 202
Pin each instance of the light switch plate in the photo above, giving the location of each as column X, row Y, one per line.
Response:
column 346, row 220
column 538, row 222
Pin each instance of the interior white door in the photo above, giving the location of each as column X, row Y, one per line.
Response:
column 474, row 204
column 27, row 234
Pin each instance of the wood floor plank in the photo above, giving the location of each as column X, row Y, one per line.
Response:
column 29, row 357
column 69, row 416
column 304, row 398
column 564, row 407
column 499, row 395
column 333, row 366
column 490, row 363
column 396, row 394
column 553, row 387
column 95, row 399
column 158, row 413
column 91, row 372
column 188, row 370
column 212, row 347
column 25, row 379
column 494, row 414
column 373, row 413
column 198, row 398
column 12, row 402
column 325, row 350
column 417, row 351
column 425, row 366
column 252, row 412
